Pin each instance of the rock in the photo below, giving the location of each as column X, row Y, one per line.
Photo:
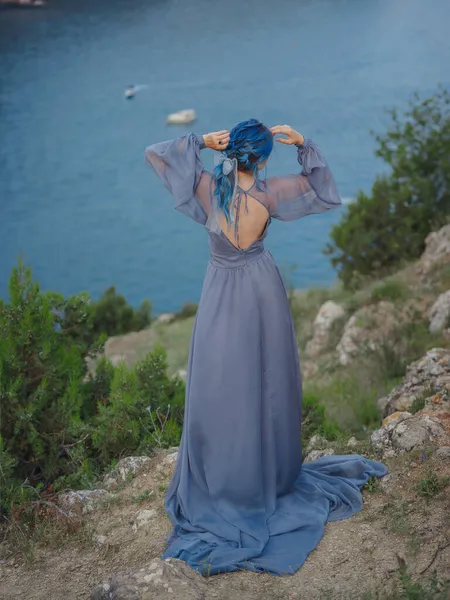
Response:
column 143, row 517
column 437, row 250
column 443, row 453
column 327, row 315
column 352, row 442
column 99, row 539
column 165, row 318
column 403, row 432
column 366, row 329
column 171, row 458
column 315, row 442
column 427, row 378
column 439, row 313
column 315, row 454
column 309, row 368
column 125, row 469
column 162, row 579
column 85, row 499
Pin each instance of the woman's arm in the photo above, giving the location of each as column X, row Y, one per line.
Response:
column 312, row 191
column 178, row 164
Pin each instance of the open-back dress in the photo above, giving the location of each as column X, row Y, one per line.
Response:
column 240, row 497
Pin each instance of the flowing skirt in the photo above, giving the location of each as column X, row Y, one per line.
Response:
column 239, row 497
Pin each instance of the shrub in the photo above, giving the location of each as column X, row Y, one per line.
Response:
column 315, row 421
column 390, row 290
column 112, row 315
column 189, row 309
column 41, row 372
column 388, row 227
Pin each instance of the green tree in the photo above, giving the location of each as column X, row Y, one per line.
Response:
column 112, row 315
column 41, row 372
column 382, row 230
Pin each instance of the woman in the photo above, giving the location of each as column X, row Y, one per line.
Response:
column 240, row 497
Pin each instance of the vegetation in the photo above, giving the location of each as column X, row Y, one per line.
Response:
column 387, row 228
column 60, row 426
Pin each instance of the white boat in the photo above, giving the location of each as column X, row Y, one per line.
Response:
column 182, row 117
column 130, row 91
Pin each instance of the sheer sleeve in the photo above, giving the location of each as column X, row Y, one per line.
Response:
column 312, row 191
column 177, row 162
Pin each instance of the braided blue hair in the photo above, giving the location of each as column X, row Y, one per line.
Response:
column 250, row 144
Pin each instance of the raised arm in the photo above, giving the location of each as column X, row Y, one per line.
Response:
column 310, row 192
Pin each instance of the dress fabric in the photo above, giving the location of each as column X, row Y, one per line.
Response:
column 240, row 497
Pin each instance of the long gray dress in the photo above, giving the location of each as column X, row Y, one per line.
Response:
column 240, row 497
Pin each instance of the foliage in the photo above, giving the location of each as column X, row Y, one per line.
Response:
column 41, row 372
column 189, row 309
column 390, row 290
column 432, row 484
column 61, row 426
column 388, row 227
column 315, row 421
column 112, row 315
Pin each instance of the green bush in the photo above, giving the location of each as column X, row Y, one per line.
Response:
column 189, row 309
column 315, row 421
column 112, row 315
column 388, row 227
column 60, row 426
column 41, row 373
column 390, row 290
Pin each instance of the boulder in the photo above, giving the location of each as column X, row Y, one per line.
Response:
column 327, row 315
column 427, row 378
column 143, row 518
column 316, row 442
column 366, row 329
column 315, row 454
column 402, row 432
column 439, row 313
column 437, row 250
column 161, row 579
column 85, row 499
column 125, row 469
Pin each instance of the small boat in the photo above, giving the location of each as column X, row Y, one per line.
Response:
column 130, row 91
column 182, row 117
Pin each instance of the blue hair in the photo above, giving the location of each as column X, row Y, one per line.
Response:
column 250, row 144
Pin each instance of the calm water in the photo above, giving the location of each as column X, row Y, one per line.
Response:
column 76, row 198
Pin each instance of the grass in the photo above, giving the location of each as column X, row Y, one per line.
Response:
column 431, row 485
column 431, row 589
column 142, row 497
column 372, row 485
column 391, row 290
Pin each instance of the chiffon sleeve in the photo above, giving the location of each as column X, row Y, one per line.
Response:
column 178, row 164
column 310, row 192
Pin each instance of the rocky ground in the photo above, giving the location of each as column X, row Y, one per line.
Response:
column 112, row 549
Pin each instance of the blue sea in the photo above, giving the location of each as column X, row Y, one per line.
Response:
column 77, row 201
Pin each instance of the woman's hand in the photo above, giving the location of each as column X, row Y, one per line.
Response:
column 218, row 140
column 292, row 136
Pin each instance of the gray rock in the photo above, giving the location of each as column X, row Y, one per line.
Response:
column 365, row 329
column 86, row 499
column 403, row 432
column 125, row 469
column 162, row 579
column 327, row 315
column 439, row 314
column 143, row 518
column 437, row 250
column 427, row 378
column 352, row 442
column 315, row 442
column 443, row 453
column 315, row 454
column 181, row 374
